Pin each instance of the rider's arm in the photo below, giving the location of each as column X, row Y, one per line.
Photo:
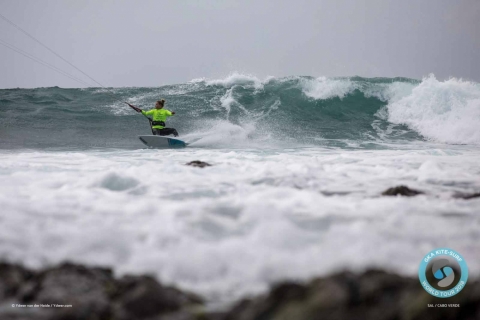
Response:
column 147, row 113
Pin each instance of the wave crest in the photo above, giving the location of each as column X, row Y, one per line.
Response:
column 242, row 110
column 236, row 78
column 447, row 111
column 324, row 88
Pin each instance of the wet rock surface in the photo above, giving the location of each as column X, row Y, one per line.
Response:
column 72, row 291
column 198, row 163
column 467, row 196
column 408, row 192
column 401, row 191
column 374, row 294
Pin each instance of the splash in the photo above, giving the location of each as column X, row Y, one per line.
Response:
column 236, row 78
column 447, row 111
column 323, row 88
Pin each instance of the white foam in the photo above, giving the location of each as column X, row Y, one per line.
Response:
column 323, row 88
column 227, row 100
column 447, row 111
column 222, row 133
column 252, row 219
column 236, row 78
column 198, row 80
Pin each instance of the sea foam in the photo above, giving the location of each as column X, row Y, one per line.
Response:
column 447, row 111
column 250, row 220
column 326, row 88
column 236, row 78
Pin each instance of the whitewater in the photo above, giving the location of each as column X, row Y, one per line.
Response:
column 294, row 191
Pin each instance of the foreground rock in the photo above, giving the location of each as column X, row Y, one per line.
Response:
column 73, row 292
column 77, row 292
column 198, row 163
column 407, row 192
column 374, row 295
column 401, row 191
column 467, row 196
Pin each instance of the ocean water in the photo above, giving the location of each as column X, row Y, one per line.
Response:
column 294, row 190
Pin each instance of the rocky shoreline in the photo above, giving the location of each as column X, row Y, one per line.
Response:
column 71, row 291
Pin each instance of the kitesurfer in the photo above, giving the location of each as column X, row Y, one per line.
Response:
column 159, row 116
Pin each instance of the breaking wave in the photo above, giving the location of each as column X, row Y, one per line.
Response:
column 245, row 111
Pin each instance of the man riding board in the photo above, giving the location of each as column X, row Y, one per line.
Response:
column 159, row 116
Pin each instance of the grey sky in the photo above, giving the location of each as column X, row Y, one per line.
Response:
column 152, row 43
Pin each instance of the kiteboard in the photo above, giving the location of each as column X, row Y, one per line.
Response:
column 161, row 142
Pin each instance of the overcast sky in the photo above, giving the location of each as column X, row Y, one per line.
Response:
column 157, row 42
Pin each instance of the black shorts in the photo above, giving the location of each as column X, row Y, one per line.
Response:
column 165, row 132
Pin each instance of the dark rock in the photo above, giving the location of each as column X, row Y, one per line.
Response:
column 12, row 277
column 467, row 196
column 402, row 191
column 69, row 284
column 371, row 295
column 265, row 307
column 142, row 297
column 198, row 163
column 92, row 292
column 96, row 295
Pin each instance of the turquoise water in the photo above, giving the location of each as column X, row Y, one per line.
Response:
column 296, row 111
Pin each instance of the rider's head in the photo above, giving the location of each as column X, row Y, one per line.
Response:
column 160, row 104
